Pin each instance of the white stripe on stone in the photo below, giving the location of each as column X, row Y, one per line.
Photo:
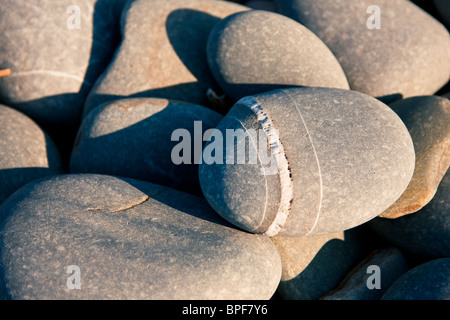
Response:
column 277, row 150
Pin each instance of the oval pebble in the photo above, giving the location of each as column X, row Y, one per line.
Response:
column 55, row 50
column 247, row 59
column 407, row 54
column 26, row 152
column 162, row 54
column 428, row 121
column 137, row 138
column 372, row 277
column 313, row 266
column 425, row 233
column 428, row 281
column 333, row 152
column 130, row 240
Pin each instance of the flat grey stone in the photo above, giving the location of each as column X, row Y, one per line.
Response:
column 426, row 232
column 53, row 65
column 131, row 240
column 132, row 138
column 443, row 7
column 162, row 53
column 246, row 58
column 428, row 281
column 333, row 154
column 360, row 283
column 313, row 266
column 26, row 152
column 408, row 55
column 428, row 121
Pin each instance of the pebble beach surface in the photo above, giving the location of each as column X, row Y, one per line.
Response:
column 224, row 150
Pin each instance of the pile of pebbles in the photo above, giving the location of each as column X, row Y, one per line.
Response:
column 120, row 129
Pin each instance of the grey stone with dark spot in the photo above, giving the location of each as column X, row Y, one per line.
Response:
column 408, row 55
column 131, row 240
column 426, row 232
column 373, row 276
column 53, row 65
column 163, row 52
column 133, row 138
column 256, row 51
column 333, row 154
column 26, row 152
column 428, row 281
column 313, row 266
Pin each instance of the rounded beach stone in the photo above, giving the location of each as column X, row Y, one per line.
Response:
column 428, row 121
column 26, row 152
column 162, row 53
column 443, row 7
column 372, row 277
column 324, row 167
column 428, row 281
column 55, row 50
column 138, row 138
column 313, row 266
column 128, row 240
column 408, row 55
column 426, row 232
column 247, row 59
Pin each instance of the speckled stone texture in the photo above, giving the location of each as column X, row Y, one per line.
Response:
column 131, row 240
column 162, row 53
column 408, row 55
column 425, row 233
column 26, row 152
column 54, row 67
column 133, row 138
column 428, row 281
column 391, row 263
column 339, row 151
column 428, row 121
column 247, row 59
column 313, row 266
column 443, row 7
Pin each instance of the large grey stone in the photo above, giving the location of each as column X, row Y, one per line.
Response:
column 26, row 152
column 428, row 121
column 408, row 55
column 428, row 281
column 133, row 138
column 338, row 159
column 372, row 277
column 162, row 53
column 426, row 232
column 130, row 240
column 256, row 51
column 313, row 266
column 54, row 65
